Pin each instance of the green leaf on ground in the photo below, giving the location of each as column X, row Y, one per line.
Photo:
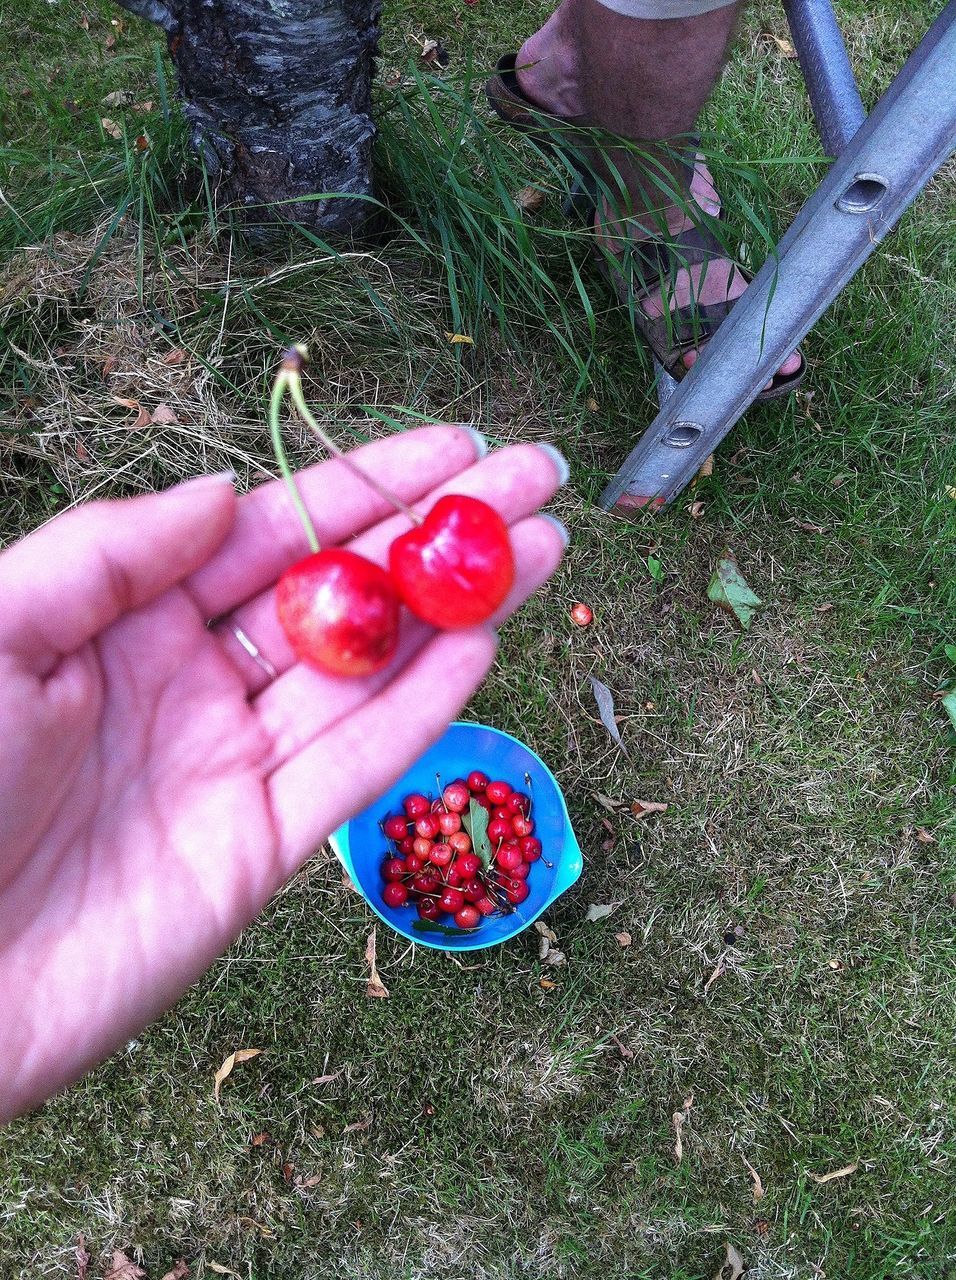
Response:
column 729, row 590
column 949, row 702
column 951, row 652
column 475, row 822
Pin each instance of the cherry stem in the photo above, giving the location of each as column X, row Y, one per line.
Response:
column 275, row 408
column 294, row 383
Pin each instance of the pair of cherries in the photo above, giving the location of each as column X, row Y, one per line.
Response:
column 340, row 611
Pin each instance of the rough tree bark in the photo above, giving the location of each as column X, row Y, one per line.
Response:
column 278, row 97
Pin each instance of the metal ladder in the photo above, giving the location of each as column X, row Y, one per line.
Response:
column 882, row 162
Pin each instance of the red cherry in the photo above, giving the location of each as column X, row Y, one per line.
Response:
column 485, row 906
column 531, row 848
column 451, row 900
column 499, row 829
column 415, row 805
column 429, row 909
column 518, row 802
column 427, row 826
column 477, row 781
column 501, row 811
column 520, row 872
column 460, row 842
column 393, row 869
column 516, row 891
column 441, row 854
column 455, row 568
column 454, row 877
column 468, row 865
column 509, row 857
column 522, row 826
column 498, row 792
column 483, row 800
column 406, row 846
column 422, row 847
column 467, row 918
column 456, row 796
column 474, row 891
column 449, row 823
column 395, row 894
column 339, row 611
column 581, row 615
column 396, row 828
column 413, row 862
column 425, row 882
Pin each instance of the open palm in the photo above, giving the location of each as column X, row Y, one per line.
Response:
column 158, row 783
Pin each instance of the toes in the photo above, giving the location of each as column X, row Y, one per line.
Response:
column 789, row 366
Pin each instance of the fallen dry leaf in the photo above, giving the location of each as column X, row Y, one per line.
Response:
column 623, row 938
column 821, row 1178
column 220, row 1270
column 240, row 1055
column 376, row 988
column 554, row 956
column 258, row 1139
column 327, row 1079
column 592, row 405
column 807, row 527
column 109, row 364
column 706, row 469
column 696, row 510
column 82, row 1258
column 118, row 98
column 732, row 1267
column 605, row 704
column 679, row 1119
column 622, row 1048
column 759, row 1192
column 545, row 930
column 163, row 416
column 544, row 946
column 179, row 1271
column 144, row 108
column 457, row 339
column 141, row 142
column 783, row 46
column 312, row 1181
column 176, row 356
column 84, row 23
column 287, row 1171
column 824, row 608
column 600, row 910
column 924, row 836
column 720, row 968
column 110, row 42
column 142, row 419
column 356, row 1126
column 546, row 984
column 951, row 491
column 245, row 1221
column 123, row 1268
column 530, row 200
column 642, row 808
column 111, row 127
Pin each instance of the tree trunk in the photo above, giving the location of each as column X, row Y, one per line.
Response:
column 278, row 97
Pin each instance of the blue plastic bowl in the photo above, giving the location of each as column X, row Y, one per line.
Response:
column 360, row 845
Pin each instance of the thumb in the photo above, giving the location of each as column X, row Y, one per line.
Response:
column 79, row 573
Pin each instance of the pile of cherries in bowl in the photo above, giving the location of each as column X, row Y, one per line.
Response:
column 463, row 856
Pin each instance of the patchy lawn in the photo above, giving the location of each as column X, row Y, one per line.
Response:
column 791, row 964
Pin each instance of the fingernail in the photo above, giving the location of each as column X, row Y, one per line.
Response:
column 559, row 460
column 218, row 477
column 480, row 442
column 561, row 527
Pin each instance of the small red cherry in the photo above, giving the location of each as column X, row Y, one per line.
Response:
column 393, row 869
column 502, row 811
column 518, row 802
column 498, row 792
column 413, row 862
column 425, row 882
column 499, row 829
column 468, row 864
column 483, row 800
column 467, row 917
column 429, row 909
column 427, row 826
column 581, row 615
column 451, row 900
column 522, row 826
column 449, row 823
column 531, row 848
column 516, row 891
column 474, row 891
column 422, row 847
column 406, row 846
column 396, row 828
column 520, row 872
column 395, row 894
column 477, row 781
column 339, row 611
column 485, row 906
column 460, row 842
column 415, row 805
column 454, row 877
column 455, row 568
column 441, row 854
column 509, row 857
column 456, row 797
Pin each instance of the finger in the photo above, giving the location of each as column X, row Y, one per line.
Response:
column 68, row 581
column 304, row 703
column 516, row 481
column 268, row 537
column 363, row 754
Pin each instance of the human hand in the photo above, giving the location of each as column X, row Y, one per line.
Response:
column 156, row 784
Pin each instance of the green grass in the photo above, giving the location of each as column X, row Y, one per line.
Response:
column 508, row 1134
